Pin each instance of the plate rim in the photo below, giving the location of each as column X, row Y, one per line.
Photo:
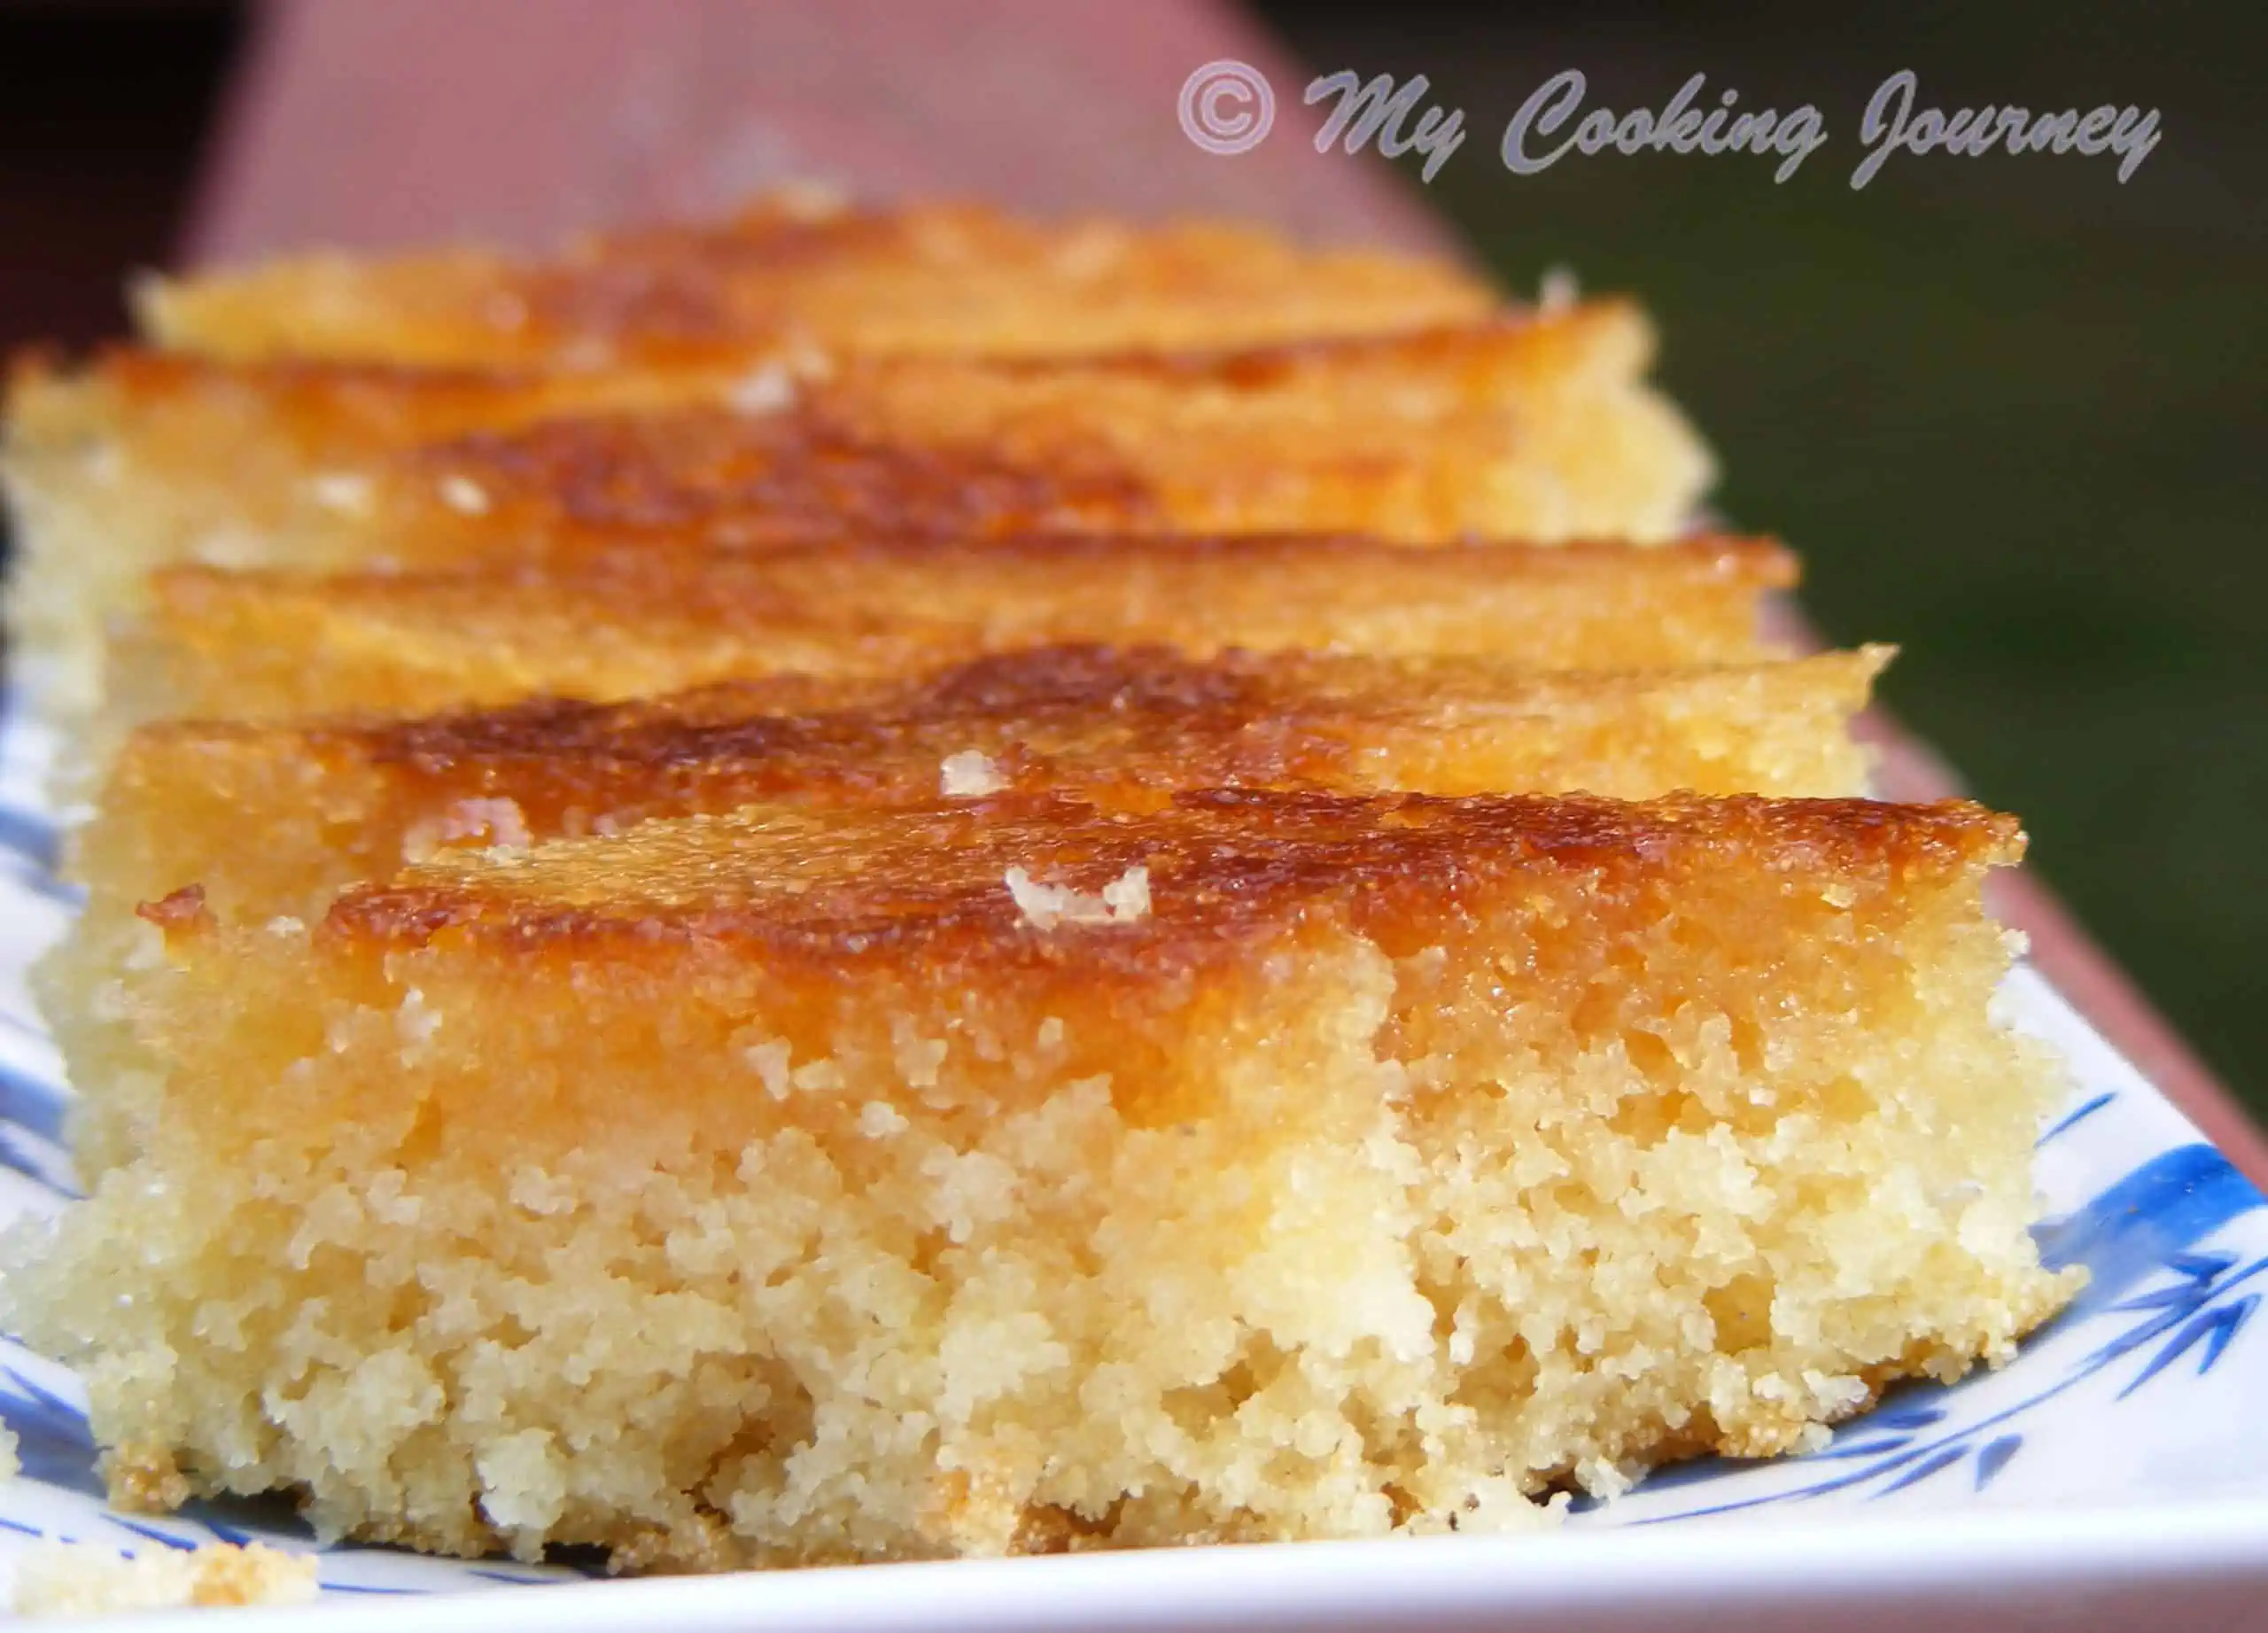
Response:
column 2106, row 1561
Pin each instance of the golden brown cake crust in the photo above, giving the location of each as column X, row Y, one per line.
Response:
column 1084, row 714
column 745, row 479
column 261, row 643
column 783, row 275
column 317, row 398
column 1532, row 422
column 317, row 404
column 578, row 454
column 268, row 642
column 1476, row 349
column 662, row 577
column 838, row 888
column 762, row 719
column 1124, row 727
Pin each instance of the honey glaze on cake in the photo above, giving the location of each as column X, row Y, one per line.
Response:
column 736, row 479
column 966, row 278
column 840, row 889
column 411, row 450
column 1144, row 577
column 313, row 407
column 263, row 643
column 1514, row 430
column 1541, row 427
column 1121, row 724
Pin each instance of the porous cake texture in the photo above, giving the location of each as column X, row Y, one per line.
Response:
column 802, row 1186
column 1540, row 428
column 790, row 276
column 340, row 801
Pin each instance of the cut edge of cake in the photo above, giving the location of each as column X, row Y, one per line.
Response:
column 799, row 1186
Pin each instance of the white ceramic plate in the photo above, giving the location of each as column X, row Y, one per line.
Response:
column 2118, row 1470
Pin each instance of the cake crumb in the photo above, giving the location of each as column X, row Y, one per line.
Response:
column 1043, row 906
column 416, row 1020
column 498, row 822
column 879, row 1120
column 1127, row 896
column 969, row 774
column 808, row 199
column 764, row 390
column 583, row 355
column 144, row 1479
column 11, row 1463
column 82, row 1579
column 346, row 493
column 769, row 1060
column 104, row 463
column 465, row 495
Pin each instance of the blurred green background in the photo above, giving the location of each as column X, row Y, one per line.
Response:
column 2010, row 410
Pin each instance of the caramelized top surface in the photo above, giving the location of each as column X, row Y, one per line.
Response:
column 1539, row 425
column 1135, row 441
column 321, row 406
column 791, row 275
column 1341, row 387
column 262, row 643
column 841, row 888
column 1428, row 372
column 737, row 479
column 1130, row 581
column 1130, row 725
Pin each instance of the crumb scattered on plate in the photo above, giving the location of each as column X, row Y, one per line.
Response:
column 82, row 1579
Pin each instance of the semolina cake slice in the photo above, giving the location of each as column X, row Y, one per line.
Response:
column 265, row 644
column 803, row 1185
column 1540, row 428
column 150, row 458
column 334, row 802
column 344, row 798
column 792, row 274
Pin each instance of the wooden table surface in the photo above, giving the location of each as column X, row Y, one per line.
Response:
column 375, row 123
